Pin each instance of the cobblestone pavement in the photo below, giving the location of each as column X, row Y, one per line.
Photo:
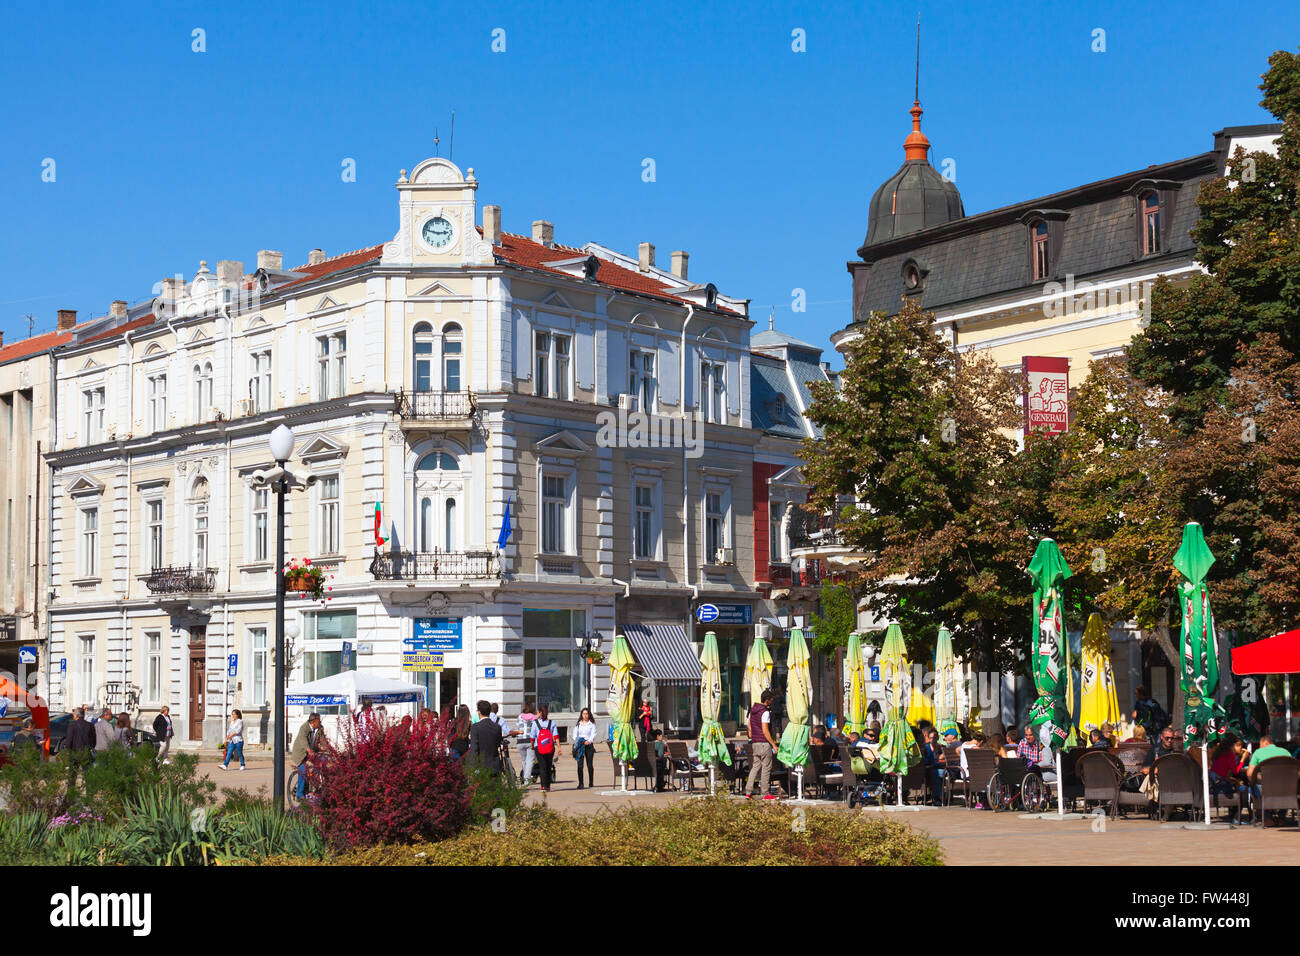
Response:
column 967, row 837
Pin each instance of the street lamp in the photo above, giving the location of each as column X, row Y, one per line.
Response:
column 587, row 644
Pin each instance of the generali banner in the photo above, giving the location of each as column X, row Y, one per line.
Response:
column 1047, row 400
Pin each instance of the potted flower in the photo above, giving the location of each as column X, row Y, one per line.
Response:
column 595, row 657
column 302, row 578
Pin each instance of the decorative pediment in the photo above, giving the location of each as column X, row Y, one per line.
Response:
column 562, row 443
column 322, row 448
column 257, row 322
column 90, row 363
column 789, row 478
column 154, row 350
column 200, row 335
column 434, row 288
column 325, row 304
column 83, row 485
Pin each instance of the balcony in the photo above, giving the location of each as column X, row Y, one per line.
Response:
column 181, row 581
column 440, row 410
column 815, row 537
column 786, row 576
column 451, row 566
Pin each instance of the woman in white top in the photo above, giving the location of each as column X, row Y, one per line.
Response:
column 584, row 746
column 235, row 739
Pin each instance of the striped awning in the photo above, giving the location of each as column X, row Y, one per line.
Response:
column 665, row 653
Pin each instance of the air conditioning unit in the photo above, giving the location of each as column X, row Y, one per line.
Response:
column 724, row 556
column 625, row 400
column 244, row 406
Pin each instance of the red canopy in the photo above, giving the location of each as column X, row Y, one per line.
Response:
column 1279, row 654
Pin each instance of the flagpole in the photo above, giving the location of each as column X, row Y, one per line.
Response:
column 1205, row 776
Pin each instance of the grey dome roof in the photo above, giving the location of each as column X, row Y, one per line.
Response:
column 914, row 198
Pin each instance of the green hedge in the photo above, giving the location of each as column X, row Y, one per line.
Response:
column 705, row 832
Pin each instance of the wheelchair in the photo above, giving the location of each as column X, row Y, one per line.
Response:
column 1017, row 784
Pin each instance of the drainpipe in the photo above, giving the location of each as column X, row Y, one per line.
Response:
column 130, row 422
column 686, row 519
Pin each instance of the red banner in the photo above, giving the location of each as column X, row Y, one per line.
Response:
column 1047, row 399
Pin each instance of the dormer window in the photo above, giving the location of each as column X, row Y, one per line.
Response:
column 1040, row 257
column 778, row 407
column 1149, row 212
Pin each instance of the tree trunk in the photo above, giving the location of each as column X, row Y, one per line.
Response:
column 986, row 663
column 1164, row 640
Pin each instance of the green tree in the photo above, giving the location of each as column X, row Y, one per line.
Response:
column 838, row 618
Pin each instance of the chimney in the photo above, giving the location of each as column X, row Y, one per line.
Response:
column 492, row 225
column 230, row 272
column 645, row 254
column 67, row 319
column 680, row 261
column 315, row 257
column 543, row 232
column 118, row 309
column 266, row 259
column 2, row 340
column 173, row 288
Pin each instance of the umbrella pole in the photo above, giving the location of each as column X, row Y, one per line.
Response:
column 900, row 788
column 799, row 774
column 1060, row 777
column 1205, row 777
column 623, row 764
column 713, row 781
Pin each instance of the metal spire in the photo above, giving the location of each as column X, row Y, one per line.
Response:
column 917, row 92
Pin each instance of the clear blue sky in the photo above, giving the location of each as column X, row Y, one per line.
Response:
column 766, row 158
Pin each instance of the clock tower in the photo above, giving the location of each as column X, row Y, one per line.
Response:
column 436, row 218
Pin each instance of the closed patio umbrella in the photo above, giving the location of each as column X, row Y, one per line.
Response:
column 713, row 744
column 855, row 687
column 758, row 670
column 1048, row 654
column 793, row 751
column 1203, row 718
column 1098, row 703
column 621, row 662
column 898, row 749
column 945, row 684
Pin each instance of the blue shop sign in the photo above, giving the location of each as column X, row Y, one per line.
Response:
column 438, row 633
column 725, row 615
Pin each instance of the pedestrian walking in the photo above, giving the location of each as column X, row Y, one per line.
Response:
column 545, row 734
column 305, row 746
column 645, row 721
column 235, row 739
column 762, row 745
column 125, row 734
column 460, row 732
column 527, row 752
column 485, row 739
column 105, row 733
column 162, row 729
column 80, row 739
column 584, row 746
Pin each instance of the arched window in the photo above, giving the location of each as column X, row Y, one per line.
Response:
column 1149, row 210
column 422, row 350
column 199, row 496
column 1038, row 239
column 452, row 344
column 202, row 375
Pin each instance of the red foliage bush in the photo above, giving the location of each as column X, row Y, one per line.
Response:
column 390, row 783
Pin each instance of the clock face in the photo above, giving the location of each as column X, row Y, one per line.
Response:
column 437, row 233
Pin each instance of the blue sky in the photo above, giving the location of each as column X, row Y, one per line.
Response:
column 765, row 158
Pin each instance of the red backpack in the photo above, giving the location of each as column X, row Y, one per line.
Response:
column 545, row 737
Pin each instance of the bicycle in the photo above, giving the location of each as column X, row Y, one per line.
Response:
column 291, row 785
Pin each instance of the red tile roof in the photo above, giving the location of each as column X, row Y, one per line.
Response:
column 34, row 345
column 338, row 263
column 118, row 329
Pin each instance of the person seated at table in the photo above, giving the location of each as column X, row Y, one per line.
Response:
column 1138, row 735
column 1030, row 748
column 872, row 736
column 1266, row 750
column 951, row 738
column 1097, row 740
column 996, row 743
column 818, row 736
column 835, row 735
column 1229, row 762
column 936, row 764
column 661, row 762
column 1108, row 734
column 1012, row 737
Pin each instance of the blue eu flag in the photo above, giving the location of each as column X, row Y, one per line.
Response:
column 504, row 537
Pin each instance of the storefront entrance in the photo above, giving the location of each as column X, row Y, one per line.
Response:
column 442, row 688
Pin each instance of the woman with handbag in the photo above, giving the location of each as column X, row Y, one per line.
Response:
column 584, row 746
column 235, row 739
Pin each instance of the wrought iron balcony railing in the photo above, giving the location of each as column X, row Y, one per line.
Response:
column 788, row 576
column 186, row 580
column 434, row 565
column 434, row 406
column 808, row 530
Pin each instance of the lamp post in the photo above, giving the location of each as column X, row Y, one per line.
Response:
column 586, row 644
column 281, row 443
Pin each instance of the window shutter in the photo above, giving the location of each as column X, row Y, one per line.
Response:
column 733, row 383
column 523, row 347
column 584, row 355
column 617, row 357
column 689, row 398
column 667, row 372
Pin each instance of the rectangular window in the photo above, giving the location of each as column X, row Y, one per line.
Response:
column 641, row 379
column 92, row 405
column 86, row 657
column 158, row 402
column 1150, row 224
column 88, row 564
column 555, row 513
column 554, row 670
column 327, row 528
column 776, row 532
column 562, row 367
column 333, row 628
column 715, row 523
column 331, row 366
column 257, row 693
column 154, row 515
column 645, row 528
column 259, row 381
column 153, row 680
column 1040, row 251
column 451, row 351
column 423, row 361
column 201, row 536
column 260, row 550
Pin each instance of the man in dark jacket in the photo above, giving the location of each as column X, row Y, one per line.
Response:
column 485, row 739
column 80, row 739
column 162, row 729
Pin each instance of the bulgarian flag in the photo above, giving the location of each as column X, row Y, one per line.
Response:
column 379, row 524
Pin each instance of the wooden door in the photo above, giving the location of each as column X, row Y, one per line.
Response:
column 197, row 695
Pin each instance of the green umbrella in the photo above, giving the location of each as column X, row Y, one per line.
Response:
column 1048, row 650
column 898, row 749
column 713, row 744
column 945, row 686
column 758, row 670
column 855, row 687
column 621, row 662
column 1203, row 717
column 793, row 751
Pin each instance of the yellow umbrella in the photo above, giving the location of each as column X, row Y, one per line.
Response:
column 1099, row 703
column 919, row 705
column 855, row 696
column 758, row 670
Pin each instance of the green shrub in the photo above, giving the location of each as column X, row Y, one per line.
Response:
column 32, row 784
column 120, row 776
column 256, row 831
column 22, row 837
column 491, row 791
column 712, row 831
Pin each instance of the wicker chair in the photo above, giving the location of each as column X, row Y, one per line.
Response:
column 1279, row 780
column 1178, row 783
column 981, row 765
column 679, row 758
